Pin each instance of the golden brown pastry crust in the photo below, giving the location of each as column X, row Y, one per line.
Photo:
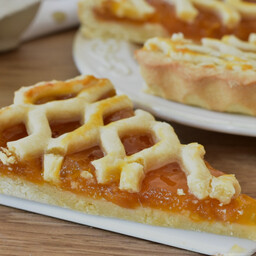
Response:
column 50, row 194
column 203, row 86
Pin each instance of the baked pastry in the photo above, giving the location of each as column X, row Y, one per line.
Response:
column 216, row 74
column 78, row 145
column 139, row 20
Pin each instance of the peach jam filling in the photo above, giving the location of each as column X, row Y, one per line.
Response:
column 206, row 24
column 159, row 188
column 61, row 127
column 46, row 99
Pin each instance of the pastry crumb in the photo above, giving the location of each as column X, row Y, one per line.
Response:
column 180, row 192
column 241, row 212
column 74, row 184
column 237, row 249
column 86, row 175
column 224, row 211
column 6, row 157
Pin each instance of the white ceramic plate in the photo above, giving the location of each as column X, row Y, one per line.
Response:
column 205, row 243
column 114, row 60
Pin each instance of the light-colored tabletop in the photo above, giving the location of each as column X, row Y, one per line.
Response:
column 24, row 233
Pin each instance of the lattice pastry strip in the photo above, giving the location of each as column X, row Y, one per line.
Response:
column 249, row 46
column 246, row 9
column 187, row 10
column 133, row 9
column 89, row 102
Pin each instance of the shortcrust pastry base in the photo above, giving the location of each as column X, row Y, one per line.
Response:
column 55, row 196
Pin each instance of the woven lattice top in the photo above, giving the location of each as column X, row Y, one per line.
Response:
column 230, row 11
column 90, row 99
column 229, row 52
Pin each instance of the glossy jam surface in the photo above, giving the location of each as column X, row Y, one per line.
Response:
column 51, row 98
column 206, row 24
column 121, row 114
column 159, row 187
column 129, row 141
column 13, row 133
column 61, row 127
column 30, row 170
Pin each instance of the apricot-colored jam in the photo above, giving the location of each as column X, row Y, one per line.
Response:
column 59, row 127
column 46, row 99
column 124, row 113
column 13, row 133
column 159, row 187
column 129, row 141
column 206, row 24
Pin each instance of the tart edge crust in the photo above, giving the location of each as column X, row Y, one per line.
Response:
column 204, row 87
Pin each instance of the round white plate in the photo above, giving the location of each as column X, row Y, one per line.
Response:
column 114, row 60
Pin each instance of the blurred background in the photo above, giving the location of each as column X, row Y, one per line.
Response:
column 28, row 19
column 30, row 32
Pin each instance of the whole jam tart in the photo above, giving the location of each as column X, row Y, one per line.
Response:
column 77, row 144
column 139, row 20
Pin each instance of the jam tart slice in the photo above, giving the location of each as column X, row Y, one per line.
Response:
column 215, row 74
column 139, row 20
column 77, row 144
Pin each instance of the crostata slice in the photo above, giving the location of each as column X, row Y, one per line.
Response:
column 77, row 144
column 139, row 20
column 214, row 74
